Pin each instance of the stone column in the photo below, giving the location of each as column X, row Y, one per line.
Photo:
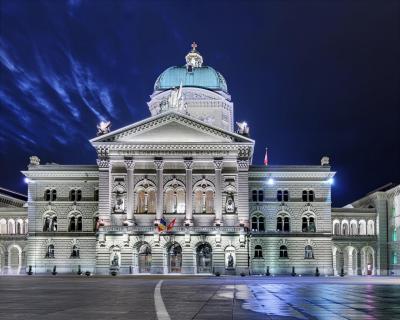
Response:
column 359, row 271
column 243, row 192
column 130, row 166
column 189, row 193
column 105, row 182
column 160, row 190
column 350, row 262
column 218, row 192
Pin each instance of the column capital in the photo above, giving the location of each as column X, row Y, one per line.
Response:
column 243, row 164
column 129, row 164
column 159, row 163
column 218, row 163
column 188, row 164
column 103, row 163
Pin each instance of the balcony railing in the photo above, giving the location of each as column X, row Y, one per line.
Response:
column 145, row 229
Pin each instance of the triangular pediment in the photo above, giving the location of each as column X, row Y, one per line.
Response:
column 170, row 127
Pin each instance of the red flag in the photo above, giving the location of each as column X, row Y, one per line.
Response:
column 266, row 157
column 170, row 225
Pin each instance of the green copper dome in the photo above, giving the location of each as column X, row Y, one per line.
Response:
column 201, row 77
column 193, row 74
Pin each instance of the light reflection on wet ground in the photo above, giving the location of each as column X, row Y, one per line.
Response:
column 321, row 301
column 200, row 298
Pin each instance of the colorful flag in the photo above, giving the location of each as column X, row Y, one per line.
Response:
column 171, row 225
column 162, row 225
column 266, row 157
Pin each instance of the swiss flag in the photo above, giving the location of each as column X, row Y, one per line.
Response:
column 171, row 225
column 266, row 157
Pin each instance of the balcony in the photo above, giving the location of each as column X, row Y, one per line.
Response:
column 176, row 230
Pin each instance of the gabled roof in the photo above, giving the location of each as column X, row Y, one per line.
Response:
column 170, row 127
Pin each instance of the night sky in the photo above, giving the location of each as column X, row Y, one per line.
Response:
column 311, row 78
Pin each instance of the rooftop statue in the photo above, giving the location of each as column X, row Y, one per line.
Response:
column 103, row 128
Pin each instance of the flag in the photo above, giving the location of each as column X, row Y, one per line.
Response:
column 266, row 157
column 162, row 225
column 171, row 225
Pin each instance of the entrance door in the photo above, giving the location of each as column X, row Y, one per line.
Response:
column 204, row 258
column 175, row 258
column 145, row 259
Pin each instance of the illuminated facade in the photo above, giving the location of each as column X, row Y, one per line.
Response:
column 185, row 163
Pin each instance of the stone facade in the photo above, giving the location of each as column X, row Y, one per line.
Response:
column 185, row 167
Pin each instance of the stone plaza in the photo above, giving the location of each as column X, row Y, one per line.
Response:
column 198, row 297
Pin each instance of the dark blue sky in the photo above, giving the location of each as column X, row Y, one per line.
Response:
column 311, row 78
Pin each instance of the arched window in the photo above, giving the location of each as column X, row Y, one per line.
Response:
column 260, row 195
column 279, row 196
column 285, row 195
column 145, row 197
column 258, row 223
column 50, row 251
column 3, row 226
column 75, row 222
column 96, row 223
column 362, row 227
column 370, row 228
column 20, row 226
column 353, row 228
column 279, row 224
column 53, row 226
column 308, row 222
column 286, row 224
column 78, row 195
column 283, row 252
column 46, row 223
column 174, row 197
column 79, row 224
column 254, row 195
column 96, row 195
column 11, row 226
column 72, row 224
column 53, row 195
column 204, row 197
column 75, row 252
column 72, row 195
column 258, row 251
column 308, row 252
column 336, row 227
column 47, row 194
column 308, row 196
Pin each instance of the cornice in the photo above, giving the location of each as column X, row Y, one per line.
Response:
column 67, row 174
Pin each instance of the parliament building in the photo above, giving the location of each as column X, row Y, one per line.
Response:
column 188, row 166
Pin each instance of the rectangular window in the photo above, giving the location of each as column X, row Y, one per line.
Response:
column 260, row 195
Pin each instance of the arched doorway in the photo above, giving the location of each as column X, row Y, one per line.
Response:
column 368, row 261
column 204, row 258
column 14, row 256
column 144, row 259
column 175, row 258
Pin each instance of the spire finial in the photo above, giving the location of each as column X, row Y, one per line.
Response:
column 194, row 46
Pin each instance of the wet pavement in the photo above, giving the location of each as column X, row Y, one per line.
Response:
column 187, row 297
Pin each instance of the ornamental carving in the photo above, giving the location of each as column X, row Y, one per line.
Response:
column 218, row 164
column 159, row 164
column 103, row 163
column 129, row 164
column 243, row 164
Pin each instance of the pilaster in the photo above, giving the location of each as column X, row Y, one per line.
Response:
column 105, row 168
column 130, row 166
column 218, row 163
column 159, row 164
column 243, row 191
column 189, row 192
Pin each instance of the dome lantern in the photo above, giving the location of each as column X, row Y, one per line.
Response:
column 193, row 58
